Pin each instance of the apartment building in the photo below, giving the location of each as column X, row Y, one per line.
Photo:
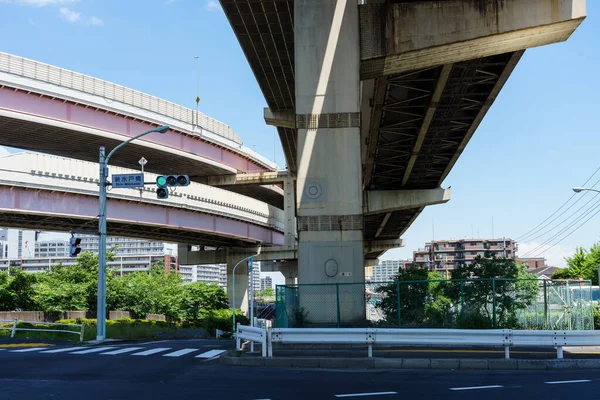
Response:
column 385, row 271
column 446, row 255
column 51, row 248
column 266, row 282
column 212, row 273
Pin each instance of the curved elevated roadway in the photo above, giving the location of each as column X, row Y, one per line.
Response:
column 56, row 111
column 53, row 193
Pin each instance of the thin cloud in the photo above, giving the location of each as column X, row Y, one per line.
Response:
column 213, row 5
column 96, row 21
column 38, row 3
column 69, row 15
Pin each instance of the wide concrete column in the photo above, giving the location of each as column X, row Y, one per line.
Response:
column 329, row 192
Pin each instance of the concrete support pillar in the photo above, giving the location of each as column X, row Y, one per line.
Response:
column 290, row 272
column 329, row 182
column 241, row 281
column 289, row 213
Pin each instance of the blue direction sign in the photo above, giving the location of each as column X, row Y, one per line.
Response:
column 127, row 180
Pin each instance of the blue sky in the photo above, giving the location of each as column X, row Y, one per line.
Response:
column 539, row 139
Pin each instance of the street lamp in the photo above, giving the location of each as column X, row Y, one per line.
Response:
column 580, row 189
column 233, row 288
column 101, row 305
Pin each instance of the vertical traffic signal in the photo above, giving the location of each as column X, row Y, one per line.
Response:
column 161, row 191
column 74, row 248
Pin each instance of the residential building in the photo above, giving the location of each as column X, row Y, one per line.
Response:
column 446, row 255
column 386, row 270
column 212, row 273
column 123, row 246
column 52, row 248
column 532, row 263
column 266, row 282
column 188, row 273
column 256, row 276
column 122, row 264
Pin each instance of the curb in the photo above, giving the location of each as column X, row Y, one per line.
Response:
column 407, row 363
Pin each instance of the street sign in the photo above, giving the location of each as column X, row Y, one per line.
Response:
column 142, row 162
column 127, row 180
column 250, row 264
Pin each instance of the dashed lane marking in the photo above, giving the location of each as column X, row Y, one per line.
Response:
column 61, row 350
column 478, row 387
column 27, row 350
column 561, row 382
column 365, row 394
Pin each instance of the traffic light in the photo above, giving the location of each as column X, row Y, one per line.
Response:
column 74, row 248
column 164, row 181
column 161, row 191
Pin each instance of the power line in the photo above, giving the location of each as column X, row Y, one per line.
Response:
column 586, row 213
column 528, row 233
column 531, row 239
column 570, row 233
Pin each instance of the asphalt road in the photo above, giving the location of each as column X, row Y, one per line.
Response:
column 64, row 375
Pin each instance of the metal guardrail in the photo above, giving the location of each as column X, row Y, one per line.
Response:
column 440, row 337
column 62, row 77
column 250, row 333
column 15, row 322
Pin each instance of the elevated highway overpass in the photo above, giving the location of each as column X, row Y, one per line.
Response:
column 380, row 98
column 58, row 194
column 56, row 111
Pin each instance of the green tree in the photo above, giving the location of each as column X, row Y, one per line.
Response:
column 494, row 289
column 17, row 289
column 583, row 264
column 416, row 297
column 200, row 297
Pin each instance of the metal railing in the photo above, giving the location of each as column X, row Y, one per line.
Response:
column 506, row 338
column 253, row 334
column 15, row 327
column 64, row 78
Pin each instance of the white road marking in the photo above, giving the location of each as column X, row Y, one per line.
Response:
column 559, row 382
column 365, row 394
column 151, row 351
column 121, row 351
column 477, row 387
column 62, row 350
column 211, row 354
column 179, row 353
column 93, row 350
column 28, row 349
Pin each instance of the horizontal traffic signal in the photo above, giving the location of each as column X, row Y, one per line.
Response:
column 163, row 182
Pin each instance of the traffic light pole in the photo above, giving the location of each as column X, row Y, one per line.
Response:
column 101, row 304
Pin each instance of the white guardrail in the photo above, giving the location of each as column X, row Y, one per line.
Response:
column 506, row 338
column 253, row 334
column 15, row 329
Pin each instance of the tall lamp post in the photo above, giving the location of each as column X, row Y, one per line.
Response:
column 101, row 306
column 580, row 189
column 233, row 288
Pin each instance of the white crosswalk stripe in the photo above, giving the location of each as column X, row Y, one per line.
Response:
column 63, row 350
column 210, row 354
column 151, row 351
column 28, row 350
column 121, row 351
column 180, row 353
column 93, row 350
column 201, row 351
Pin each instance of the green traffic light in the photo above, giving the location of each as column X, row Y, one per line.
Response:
column 161, row 181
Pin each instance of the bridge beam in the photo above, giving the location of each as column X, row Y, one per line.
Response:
column 373, row 246
column 409, row 36
column 280, row 118
column 254, row 178
column 386, row 201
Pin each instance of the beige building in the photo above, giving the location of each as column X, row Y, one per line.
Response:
column 446, row 255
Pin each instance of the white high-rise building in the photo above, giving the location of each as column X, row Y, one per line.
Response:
column 51, row 248
column 386, row 270
column 17, row 243
column 188, row 273
column 212, row 273
column 124, row 246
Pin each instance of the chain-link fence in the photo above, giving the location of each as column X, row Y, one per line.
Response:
column 471, row 303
